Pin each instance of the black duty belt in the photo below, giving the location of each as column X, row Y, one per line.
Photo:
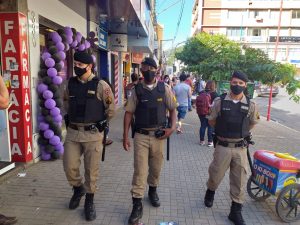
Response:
column 231, row 144
column 86, row 128
column 143, row 131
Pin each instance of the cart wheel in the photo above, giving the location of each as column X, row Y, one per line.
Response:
column 255, row 192
column 288, row 203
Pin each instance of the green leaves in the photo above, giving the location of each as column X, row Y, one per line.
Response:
column 216, row 57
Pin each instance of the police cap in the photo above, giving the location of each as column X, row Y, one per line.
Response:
column 240, row 75
column 150, row 62
column 83, row 57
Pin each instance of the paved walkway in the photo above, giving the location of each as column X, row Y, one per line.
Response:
column 42, row 196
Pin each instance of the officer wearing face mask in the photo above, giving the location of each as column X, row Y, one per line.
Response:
column 149, row 102
column 90, row 105
column 232, row 115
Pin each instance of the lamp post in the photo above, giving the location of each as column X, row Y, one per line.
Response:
column 161, row 51
column 275, row 56
column 175, row 51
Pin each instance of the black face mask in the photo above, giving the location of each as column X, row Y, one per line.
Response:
column 237, row 89
column 79, row 71
column 149, row 75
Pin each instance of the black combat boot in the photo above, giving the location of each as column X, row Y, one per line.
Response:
column 137, row 211
column 236, row 214
column 153, row 197
column 89, row 207
column 75, row 200
column 209, row 198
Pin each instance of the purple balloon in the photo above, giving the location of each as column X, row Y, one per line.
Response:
column 55, row 140
column 62, row 55
column 74, row 44
column 40, row 118
column 57, row 118
column 46, row 156
column 47, row 94
column 48, row 134
column 60, row 46
column 78, row 36
column 69, row 39
column 43, row 126
column 57, row 80
column 52, row 72
column 61, row 150
column 81, row 47
column 87, row 44
column 50, row 103
column 56, row 37
column 50, row 62
column 55, row 111
column 92, row 34
column 68, row 30
column 42, row 87
column 59, row 146
column 46, row 55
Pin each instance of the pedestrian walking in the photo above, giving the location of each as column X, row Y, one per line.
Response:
column 4, row 103
column 233, row 115
column 203, row 104
column 149, row 103
column 129, row 87
column 182, row 92
column 90, row 106
column 189, row 82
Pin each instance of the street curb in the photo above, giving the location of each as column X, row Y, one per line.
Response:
column 277, row 123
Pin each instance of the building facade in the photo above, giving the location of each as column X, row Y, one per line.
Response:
column 254, row 23
column 122, row 30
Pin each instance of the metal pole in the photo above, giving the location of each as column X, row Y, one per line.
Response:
column 275, row 56
column 241, row 30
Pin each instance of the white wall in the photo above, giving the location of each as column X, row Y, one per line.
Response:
column 59, row 13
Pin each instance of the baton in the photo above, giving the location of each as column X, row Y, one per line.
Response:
column 104, row 143
column 168, row 148
column 168, row 139
column 248, row 142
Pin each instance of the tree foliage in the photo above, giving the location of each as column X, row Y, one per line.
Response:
column 216, row 57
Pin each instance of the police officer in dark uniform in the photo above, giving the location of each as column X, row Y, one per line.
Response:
column 232, row 115
column 90, row 106
column 149, row 102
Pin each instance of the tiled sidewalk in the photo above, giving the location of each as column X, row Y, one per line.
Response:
column 42, row 196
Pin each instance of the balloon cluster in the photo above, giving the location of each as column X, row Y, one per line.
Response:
column 50, row 101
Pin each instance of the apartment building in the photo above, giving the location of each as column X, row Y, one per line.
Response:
column 254, row 23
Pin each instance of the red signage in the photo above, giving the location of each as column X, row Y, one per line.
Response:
column 137, row 57
column 14, row 55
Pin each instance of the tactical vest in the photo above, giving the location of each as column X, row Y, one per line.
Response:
column 84, row 106
column 151, row 107
column 233, row 120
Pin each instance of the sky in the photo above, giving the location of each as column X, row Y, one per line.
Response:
column 169, row 20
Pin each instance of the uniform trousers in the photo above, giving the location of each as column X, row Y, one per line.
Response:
column 86, row 143
column 236, row 160
column 148, row 161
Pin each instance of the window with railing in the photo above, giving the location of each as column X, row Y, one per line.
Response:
column 235, row 32
column 257, row 32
